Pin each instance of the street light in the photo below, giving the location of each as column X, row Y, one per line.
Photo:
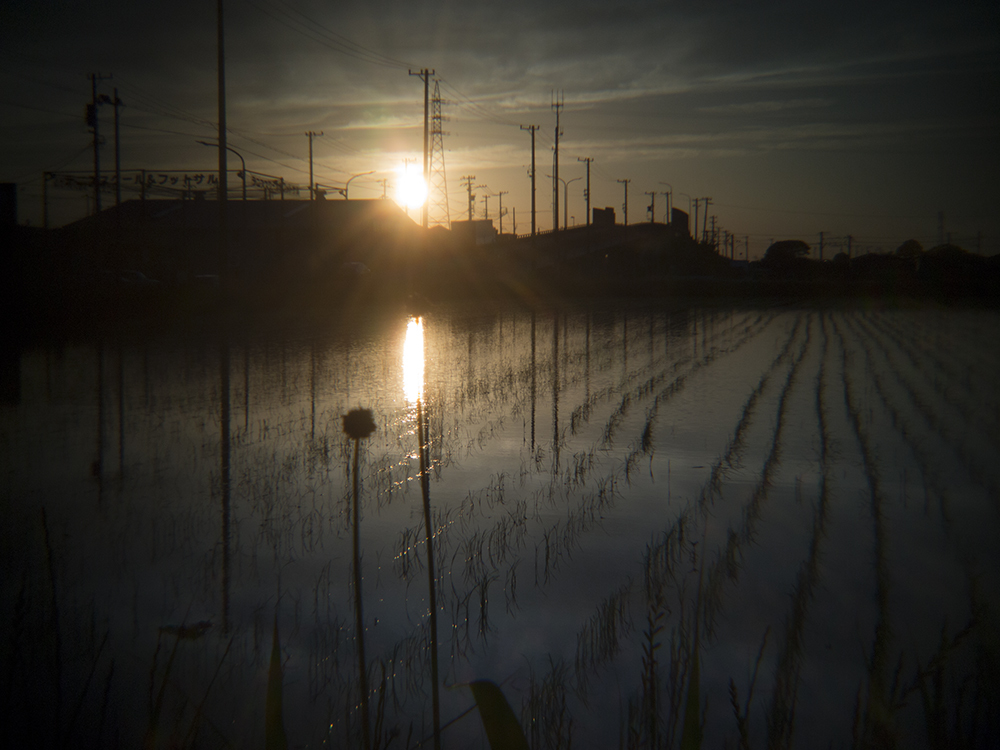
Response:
column 243, row 169
column 565, row 197
column 347, row 185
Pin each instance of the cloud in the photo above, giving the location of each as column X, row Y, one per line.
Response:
column 746, row 108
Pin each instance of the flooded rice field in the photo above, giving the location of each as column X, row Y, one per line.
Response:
column 704, row 528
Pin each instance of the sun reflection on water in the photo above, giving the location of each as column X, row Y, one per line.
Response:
column 413, row 360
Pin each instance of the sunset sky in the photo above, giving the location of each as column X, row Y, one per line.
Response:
column 860, row 118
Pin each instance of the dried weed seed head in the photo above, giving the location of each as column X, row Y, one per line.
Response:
column 359, row 423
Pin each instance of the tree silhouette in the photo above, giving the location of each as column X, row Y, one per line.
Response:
column 784, row 252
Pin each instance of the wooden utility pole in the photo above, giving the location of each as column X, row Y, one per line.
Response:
column 652, row 205
column 706, row 202
column 557, row 105
column 223, row 182
column 532, row 129
column 425, row 76
column 94, row 122
column 501, row 194
column 312, row 185
column 586, row 193
column 468, row 180
column 118, row 152
column 625, row 204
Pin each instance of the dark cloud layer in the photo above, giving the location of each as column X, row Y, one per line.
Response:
column 881, row 109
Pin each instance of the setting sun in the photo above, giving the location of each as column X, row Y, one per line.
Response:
column 412, row 190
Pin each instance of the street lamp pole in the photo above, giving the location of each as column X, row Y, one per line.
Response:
column 243, row 164
column 565, row 196
column 347, row 185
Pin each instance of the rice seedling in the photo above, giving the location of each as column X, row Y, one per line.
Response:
column 877, row 722
column 784, row 697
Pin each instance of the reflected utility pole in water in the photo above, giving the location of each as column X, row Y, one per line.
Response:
column 97, row 468
column 224, row 467
column 422, row 437
column 555, row 396
column 533, row 382
column 121, row 414
column 224, row 343
column 359, row 424
column 413, row 390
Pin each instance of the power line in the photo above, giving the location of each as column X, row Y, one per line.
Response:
column 317, row 32
column 818, row 213
column 25, row 179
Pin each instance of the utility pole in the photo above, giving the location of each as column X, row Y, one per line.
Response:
column 625, row 204
column 532, row 129
column 715, row 241
column 468, row 179
column 118, row 152
column 557, row 105
column 385, row 183
column 94, row 122
column 587, row 193
column 669, row 196
column 821, row 238
column 696, row 201
column 652, row 205
column 223, row 212
column 45, row 199
column 706, row 202
column 312, row 185
column 425, row 76
column 501, row 194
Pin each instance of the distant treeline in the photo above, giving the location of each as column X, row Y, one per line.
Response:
column 48, row 282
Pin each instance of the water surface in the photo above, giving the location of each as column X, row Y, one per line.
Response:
column 798, row 506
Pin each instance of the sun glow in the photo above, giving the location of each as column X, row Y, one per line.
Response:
column 411, row 191
column 413, row 360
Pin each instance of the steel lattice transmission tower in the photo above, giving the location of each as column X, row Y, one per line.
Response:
column 437, row 187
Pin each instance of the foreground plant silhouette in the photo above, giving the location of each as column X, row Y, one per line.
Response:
column 502, row 728
column 359, row 424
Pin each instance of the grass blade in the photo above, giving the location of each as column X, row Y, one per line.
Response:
column 502, row 728
column 274, row 726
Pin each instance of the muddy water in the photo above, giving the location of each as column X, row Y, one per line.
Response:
column 784, row 519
